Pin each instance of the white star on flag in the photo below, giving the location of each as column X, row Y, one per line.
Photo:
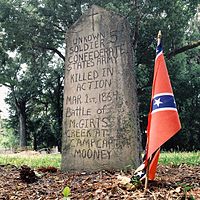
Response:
column 157, row 102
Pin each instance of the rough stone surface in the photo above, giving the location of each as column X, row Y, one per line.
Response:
column 100, row 126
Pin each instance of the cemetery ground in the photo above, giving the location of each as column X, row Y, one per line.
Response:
column 178, row 177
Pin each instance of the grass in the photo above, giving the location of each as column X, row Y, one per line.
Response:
column 35, row 161
column 177, row 158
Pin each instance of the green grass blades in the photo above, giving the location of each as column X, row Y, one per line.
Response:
column 178, row 158
column 35, row 161
column 54, row 160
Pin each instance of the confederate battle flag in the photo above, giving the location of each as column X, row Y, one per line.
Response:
column 163, row 119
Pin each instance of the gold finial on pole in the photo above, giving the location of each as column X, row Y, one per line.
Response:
column 159, row 34
column 159, row 37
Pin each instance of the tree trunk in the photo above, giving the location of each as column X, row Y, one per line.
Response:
column 59, row 112
column 35, row 142
column 21, row 108
column 22, row 129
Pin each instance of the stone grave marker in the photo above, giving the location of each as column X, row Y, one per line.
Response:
column 100, row 125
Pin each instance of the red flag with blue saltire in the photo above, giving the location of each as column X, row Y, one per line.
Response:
column 163, row 119
column 163, row 122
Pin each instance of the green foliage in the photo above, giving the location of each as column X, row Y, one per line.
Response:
column 7, row 138
column 135, row 181
column 186, row 188
column 66, row 192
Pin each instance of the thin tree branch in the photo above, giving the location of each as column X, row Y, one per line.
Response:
column 135, row 6
column 52, row 49
column 183, row 49
column 59, row 28
column 56, row 51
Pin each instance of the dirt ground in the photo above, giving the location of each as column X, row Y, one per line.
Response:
column 182, row 182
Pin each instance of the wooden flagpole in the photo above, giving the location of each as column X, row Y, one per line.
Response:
column 147, row 176
column 149, row 160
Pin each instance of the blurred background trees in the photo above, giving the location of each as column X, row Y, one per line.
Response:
column 34, row 32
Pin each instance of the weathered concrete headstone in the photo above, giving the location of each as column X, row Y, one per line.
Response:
column 100, row 129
